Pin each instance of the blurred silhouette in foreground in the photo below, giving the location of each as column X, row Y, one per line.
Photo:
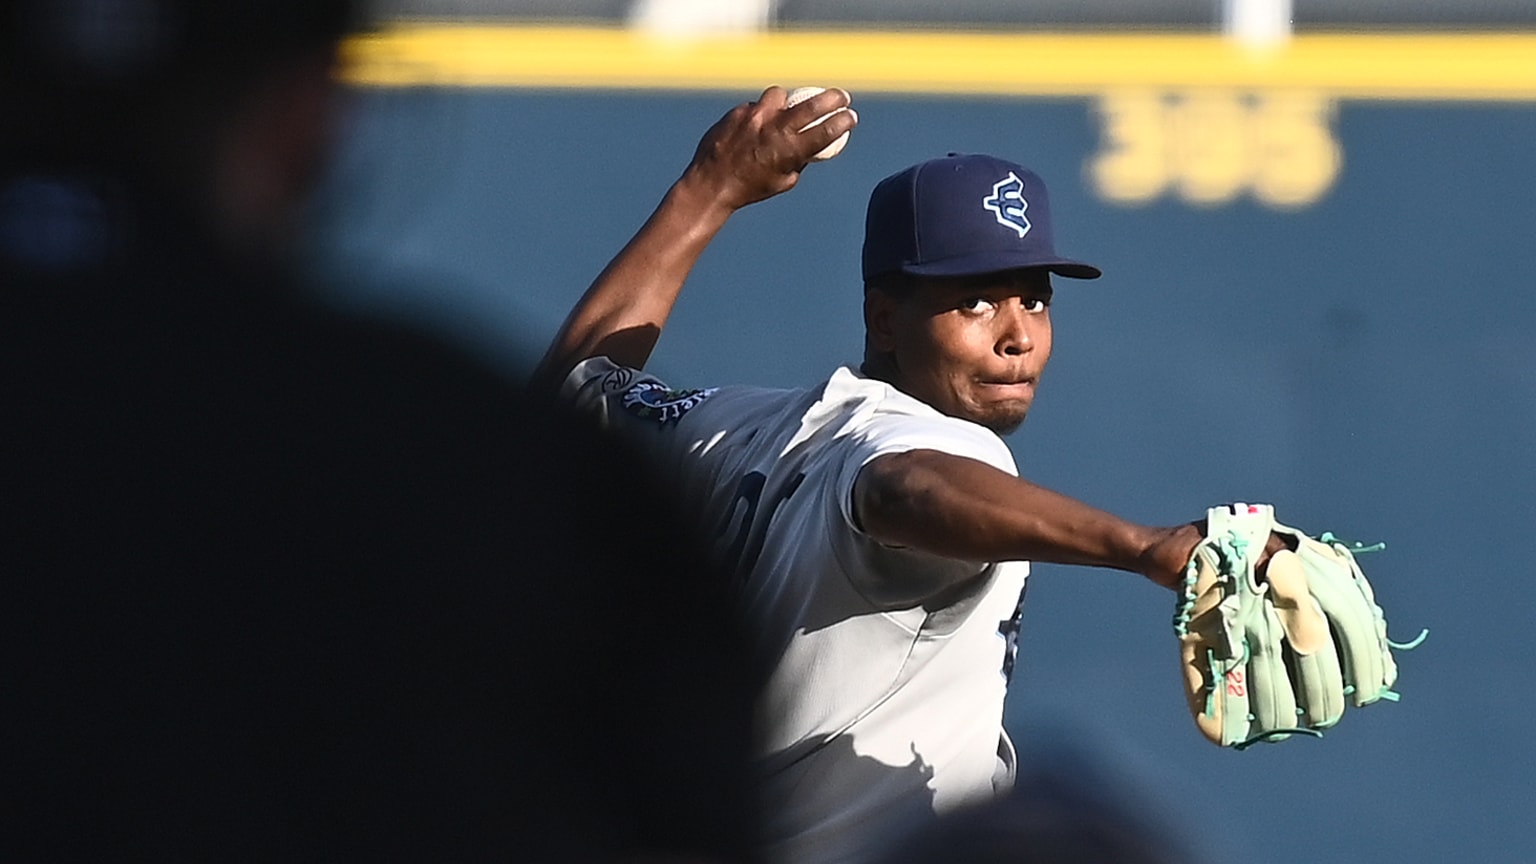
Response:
column 282, row 584
column 1064, row 809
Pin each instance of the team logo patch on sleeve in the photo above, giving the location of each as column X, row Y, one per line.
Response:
column 651, row 401
column 617, row 379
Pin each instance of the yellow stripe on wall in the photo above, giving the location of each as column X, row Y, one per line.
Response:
column 1497, row 66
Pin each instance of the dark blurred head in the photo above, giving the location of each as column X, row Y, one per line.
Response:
column 224, row 104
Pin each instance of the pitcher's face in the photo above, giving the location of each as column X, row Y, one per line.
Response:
column 973, row 347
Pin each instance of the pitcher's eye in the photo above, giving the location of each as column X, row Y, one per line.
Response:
column 1036, row 304
column 976, row 304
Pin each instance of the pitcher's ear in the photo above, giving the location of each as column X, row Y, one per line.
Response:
column 879, row 313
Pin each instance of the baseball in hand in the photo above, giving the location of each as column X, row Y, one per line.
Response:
column 800, row 94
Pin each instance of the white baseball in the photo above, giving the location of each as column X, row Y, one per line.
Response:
column 800, row 94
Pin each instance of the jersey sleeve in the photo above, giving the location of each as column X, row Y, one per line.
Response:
column 898, row 433
column 617, row 395
column 897, row 575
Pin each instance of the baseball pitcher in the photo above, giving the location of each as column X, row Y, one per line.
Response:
column 875, row 523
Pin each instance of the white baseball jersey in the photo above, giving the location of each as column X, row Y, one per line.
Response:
column 883, row 703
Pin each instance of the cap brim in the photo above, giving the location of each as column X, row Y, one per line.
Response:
column 994, row 262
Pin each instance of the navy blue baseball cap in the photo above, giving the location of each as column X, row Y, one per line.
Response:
column 962, row 215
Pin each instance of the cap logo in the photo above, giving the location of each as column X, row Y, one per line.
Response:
column 1007, row 203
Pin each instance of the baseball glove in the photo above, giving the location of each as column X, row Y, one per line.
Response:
column 1273, row 654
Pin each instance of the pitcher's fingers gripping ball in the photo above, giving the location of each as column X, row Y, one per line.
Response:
column 800, row 94
column 1269, row 656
